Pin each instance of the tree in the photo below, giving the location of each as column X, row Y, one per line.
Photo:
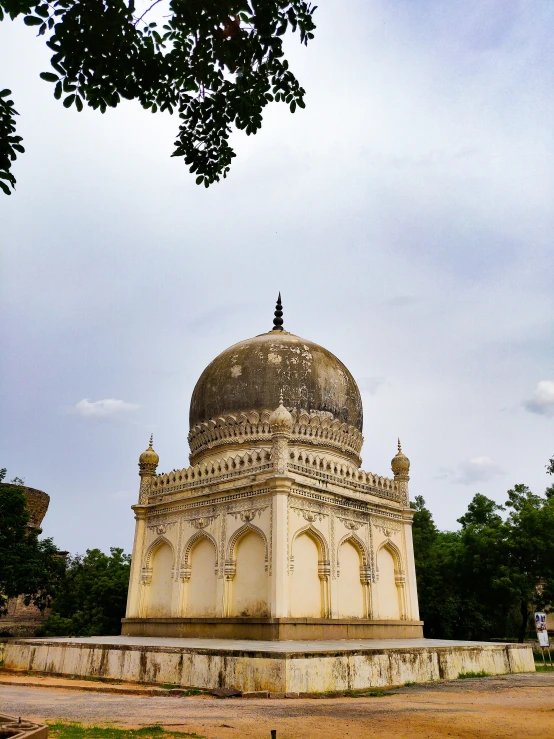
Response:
column 484, row 580
column 216, row 63
column 435, row 555
column 28, row 567
column 93, row 595
column 529, row 568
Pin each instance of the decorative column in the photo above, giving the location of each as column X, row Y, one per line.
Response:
column 148, row 461
column 280, row 423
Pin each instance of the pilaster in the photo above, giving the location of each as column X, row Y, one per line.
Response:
column 135, row 580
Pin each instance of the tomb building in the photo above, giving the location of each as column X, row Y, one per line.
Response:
column 273, row 531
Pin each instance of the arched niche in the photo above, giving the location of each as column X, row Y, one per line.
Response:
column 388, row 586
column 352, row 587
column 200, row 576
column 309, row 573
column 250, row 583
column 158, row 595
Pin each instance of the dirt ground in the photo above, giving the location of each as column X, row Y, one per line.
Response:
column 506, row 707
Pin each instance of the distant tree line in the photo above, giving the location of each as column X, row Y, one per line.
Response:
column 485, row 580
column 481, row 582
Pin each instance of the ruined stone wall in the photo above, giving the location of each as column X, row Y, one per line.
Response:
column 22, row 620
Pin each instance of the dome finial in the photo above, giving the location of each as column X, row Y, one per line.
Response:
column 281, row 397
column 151, row 441
column 278, row 320
column 399, row 447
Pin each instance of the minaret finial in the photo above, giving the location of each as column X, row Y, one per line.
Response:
column 281, row 398
column 278, row 320
column 399, row 447
column 151, row 441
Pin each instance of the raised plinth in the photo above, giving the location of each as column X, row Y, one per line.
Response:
column 281, row 667
column 272, row 629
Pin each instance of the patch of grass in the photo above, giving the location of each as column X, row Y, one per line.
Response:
column 375, row 693
column 184, row 691
column 544, row 668
column 410, row 684
column 61, row 730
column 468, row 675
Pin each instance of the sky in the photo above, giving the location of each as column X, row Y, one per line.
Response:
column 406, row 216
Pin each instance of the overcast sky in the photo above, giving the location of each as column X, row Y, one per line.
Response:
column 406, row 215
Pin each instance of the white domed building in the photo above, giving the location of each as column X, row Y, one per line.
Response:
column 274, row 532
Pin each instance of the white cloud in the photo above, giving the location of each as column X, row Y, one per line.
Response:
column 542, row 401
column 371, row 384
column 103, row 408
column 477, row 469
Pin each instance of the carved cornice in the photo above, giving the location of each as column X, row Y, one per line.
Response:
column 315, row 428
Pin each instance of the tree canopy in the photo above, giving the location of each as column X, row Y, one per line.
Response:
column 28, row 567
column 215, row 63
column 486, row 579
column 92, row 597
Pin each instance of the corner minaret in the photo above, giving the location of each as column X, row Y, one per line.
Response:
column 148, row 462
column 400, row 465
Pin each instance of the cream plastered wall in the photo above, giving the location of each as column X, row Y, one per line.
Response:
column 245, row 559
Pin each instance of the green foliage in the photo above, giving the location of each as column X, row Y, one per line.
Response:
column 469, row 675
column 215, row 64
column 28, row 567
column 485, row 580
column 92, row 599
column 62, row 730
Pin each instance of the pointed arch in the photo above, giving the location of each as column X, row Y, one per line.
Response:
column 319, row 539
column 396, row 553
column 355, row 540
column 235, row 538
column 194, row 539
column 153, row 547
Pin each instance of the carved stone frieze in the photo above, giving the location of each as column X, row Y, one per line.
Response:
column 161, row 527
column 387, row 526
column 248, row 515
column 202, row 522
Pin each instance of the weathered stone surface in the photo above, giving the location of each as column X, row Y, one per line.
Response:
column 301, row 667
column 226, row 693
column 250, row 375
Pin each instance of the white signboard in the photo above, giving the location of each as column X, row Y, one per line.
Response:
column 542, row 633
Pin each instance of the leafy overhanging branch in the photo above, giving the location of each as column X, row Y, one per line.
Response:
column 215, row 63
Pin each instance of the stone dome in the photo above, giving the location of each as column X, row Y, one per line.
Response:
column 249, row 376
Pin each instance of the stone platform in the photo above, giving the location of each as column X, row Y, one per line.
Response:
column 280, row 667
column 272, row 629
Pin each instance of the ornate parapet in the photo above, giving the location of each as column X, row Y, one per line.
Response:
column 315, row 428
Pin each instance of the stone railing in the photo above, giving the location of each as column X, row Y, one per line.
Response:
column 317, row 466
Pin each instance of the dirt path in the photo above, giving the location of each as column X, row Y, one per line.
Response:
column 507, row 707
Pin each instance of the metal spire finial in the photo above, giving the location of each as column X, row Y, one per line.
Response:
column 151, row 441
column 278, row 320
column 281, row 398
column 399, row 447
